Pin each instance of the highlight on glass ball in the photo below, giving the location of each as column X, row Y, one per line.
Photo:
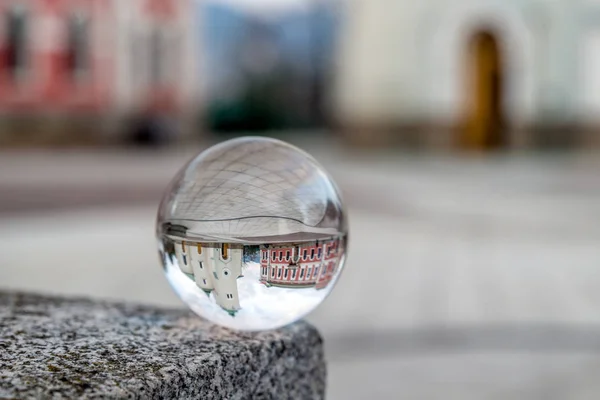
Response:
column 252, row 234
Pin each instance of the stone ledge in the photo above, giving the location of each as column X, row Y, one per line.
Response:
column 76, row 348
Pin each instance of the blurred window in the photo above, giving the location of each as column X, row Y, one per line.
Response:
column 302, row 273
column 78, row 44
column 158, row 56
column 17, row 26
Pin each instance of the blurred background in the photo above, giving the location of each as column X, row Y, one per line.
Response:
column 464, row 135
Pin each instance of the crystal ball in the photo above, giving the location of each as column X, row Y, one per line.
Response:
column 252, row 234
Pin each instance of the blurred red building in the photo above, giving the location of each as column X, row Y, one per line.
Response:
column 97, row 60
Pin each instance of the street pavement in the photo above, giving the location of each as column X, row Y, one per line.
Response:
column 466, row 277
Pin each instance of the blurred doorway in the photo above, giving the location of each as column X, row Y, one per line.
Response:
column 484, row 128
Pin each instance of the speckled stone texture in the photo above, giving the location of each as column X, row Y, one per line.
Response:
column 76, row 348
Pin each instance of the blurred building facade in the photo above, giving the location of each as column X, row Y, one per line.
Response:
column 472, row 73
column 79, row 70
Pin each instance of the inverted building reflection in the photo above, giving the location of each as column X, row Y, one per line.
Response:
column 217, row 267
column 305, row 265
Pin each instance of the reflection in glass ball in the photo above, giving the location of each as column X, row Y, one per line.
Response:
column 252, row 234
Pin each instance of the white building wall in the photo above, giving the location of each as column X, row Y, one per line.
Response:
column 375, row 68
column 193, row 89
column 590, row 74
column 225, row 274
column 211, row 272
column 201, row 268
column 405, row 60
column 183, row 258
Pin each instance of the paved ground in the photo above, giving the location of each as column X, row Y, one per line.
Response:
column 467, row 278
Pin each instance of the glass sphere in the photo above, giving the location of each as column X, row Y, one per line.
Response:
column 252, row 234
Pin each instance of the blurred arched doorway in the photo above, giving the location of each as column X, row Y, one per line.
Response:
column 483, row 128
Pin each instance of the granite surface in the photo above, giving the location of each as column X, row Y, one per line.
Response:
column 76, row 348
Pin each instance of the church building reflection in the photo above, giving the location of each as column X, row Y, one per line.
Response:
column 216, row 268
